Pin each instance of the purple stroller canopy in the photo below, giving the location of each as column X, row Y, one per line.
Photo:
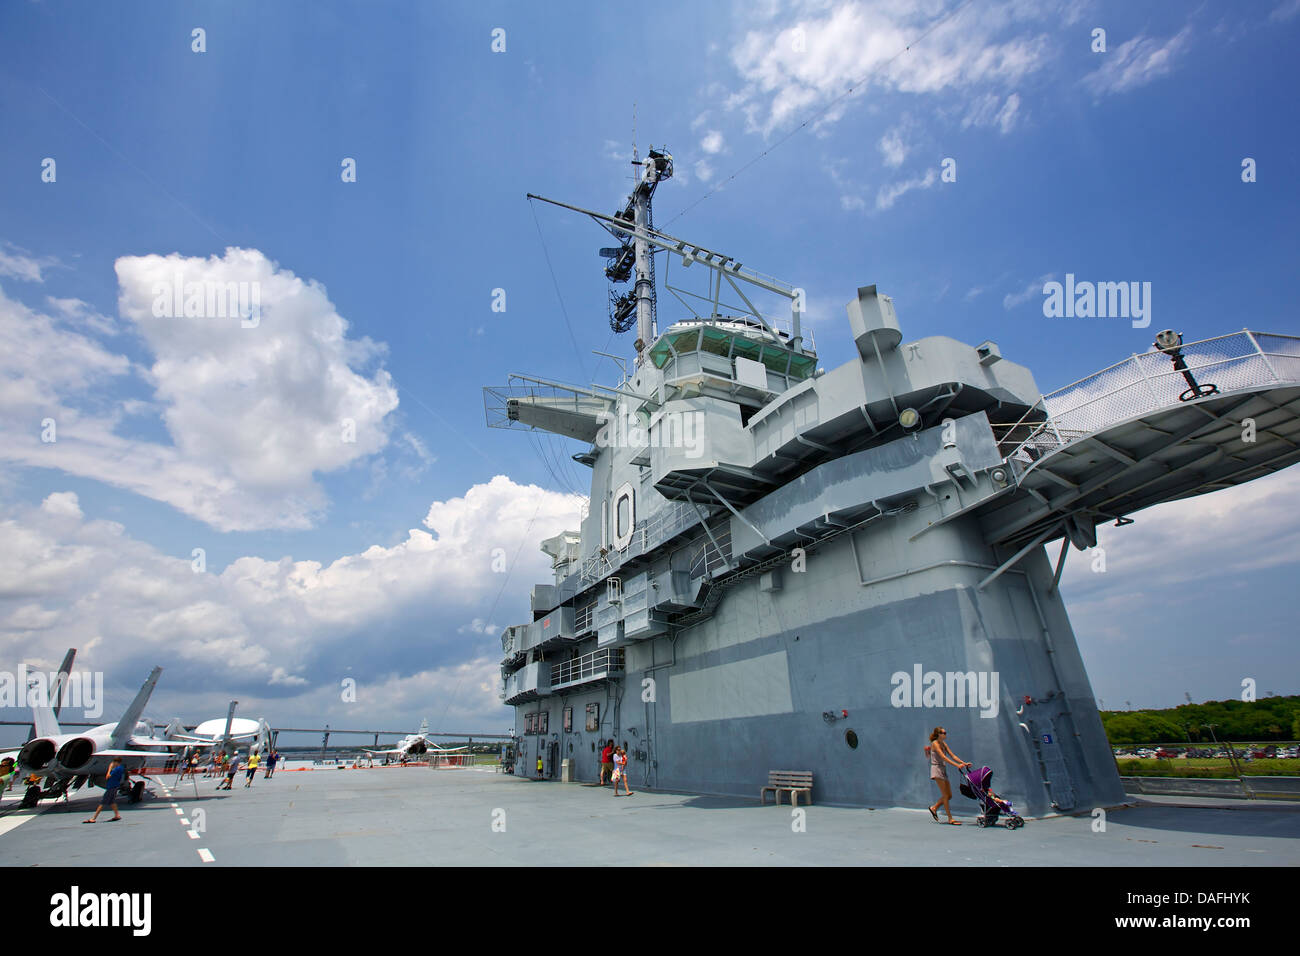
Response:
column 980, row 777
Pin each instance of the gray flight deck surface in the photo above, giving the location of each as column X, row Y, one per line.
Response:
column 418, row 817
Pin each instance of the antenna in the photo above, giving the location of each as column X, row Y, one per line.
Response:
column 634, row 256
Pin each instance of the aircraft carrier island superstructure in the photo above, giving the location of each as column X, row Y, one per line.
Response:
column 790, row 568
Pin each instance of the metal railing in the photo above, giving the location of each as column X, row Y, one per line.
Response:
column 587, row 667
column 705, row 558
column 1147, row 382
column 599, row 565
column 671, row 519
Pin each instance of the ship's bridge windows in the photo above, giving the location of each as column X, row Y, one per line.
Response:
column 731, row 343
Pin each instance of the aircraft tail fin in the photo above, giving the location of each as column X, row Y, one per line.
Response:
column 230, row 719
column 45, row 719
column 264, row 736
column 175, row 728
column 64, row 670
column 126, row 725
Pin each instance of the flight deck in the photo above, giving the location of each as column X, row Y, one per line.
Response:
column 415, row 816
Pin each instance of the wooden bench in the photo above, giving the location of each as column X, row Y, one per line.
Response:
column 796, row 781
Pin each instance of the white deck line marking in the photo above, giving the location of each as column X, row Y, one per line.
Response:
column 13, row 822
column 193, row 835
column 184, row 822
column 205, row 856
column 180, row 812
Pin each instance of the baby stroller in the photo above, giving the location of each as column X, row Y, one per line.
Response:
column 977, row 787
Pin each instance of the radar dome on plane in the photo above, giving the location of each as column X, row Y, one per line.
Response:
column 239, row 727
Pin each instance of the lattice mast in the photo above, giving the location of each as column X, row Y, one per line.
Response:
column 633, row 260
column 635, row 257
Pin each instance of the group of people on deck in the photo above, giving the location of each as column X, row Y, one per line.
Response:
column 255, row 760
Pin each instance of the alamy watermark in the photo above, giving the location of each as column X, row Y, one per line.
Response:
column 922, row 688
column 675, row 429
column 75, row 908
column 83, row 689
column 1100, row 300
column 208, row 299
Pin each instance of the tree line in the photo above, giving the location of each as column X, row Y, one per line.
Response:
column 1269, row 718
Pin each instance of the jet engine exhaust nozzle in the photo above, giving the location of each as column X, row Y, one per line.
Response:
column 76, row 752
column 37, row 753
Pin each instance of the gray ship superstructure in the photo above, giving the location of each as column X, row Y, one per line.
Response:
column 786, row 568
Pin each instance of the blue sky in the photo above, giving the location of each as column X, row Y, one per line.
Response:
column 1122, row 165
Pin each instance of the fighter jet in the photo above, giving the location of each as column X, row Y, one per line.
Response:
column 64, row 761
column 414, row 745
column 55, row 691
column 69, row 761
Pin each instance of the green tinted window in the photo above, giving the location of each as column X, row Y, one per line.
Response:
column 719, row 342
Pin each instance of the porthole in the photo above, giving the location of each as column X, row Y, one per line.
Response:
column 851, row 738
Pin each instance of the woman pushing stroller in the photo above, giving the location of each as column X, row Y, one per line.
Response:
column 940, row 756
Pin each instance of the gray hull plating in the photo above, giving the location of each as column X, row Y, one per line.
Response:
column 745, row 692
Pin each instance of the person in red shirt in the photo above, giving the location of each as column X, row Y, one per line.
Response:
column 606, row 762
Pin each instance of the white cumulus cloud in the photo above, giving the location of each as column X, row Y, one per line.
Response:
column 285, row 628
column 253, row 413
column 808, row 56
